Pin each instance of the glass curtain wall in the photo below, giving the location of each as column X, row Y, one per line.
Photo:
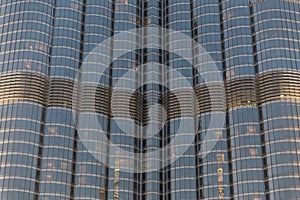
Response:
column 255, row 47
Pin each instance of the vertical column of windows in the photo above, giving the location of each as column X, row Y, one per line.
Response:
column 56, row 167
column 91, row 176
column 180, row 173
column 24, row 61
column 25, row 46
column 212, row 170
column 245, row 151
column 127, row 16
column 276, row 34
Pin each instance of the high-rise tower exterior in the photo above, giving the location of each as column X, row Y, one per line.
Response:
column 252, row 45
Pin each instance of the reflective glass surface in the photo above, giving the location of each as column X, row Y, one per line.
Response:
column 255, row 46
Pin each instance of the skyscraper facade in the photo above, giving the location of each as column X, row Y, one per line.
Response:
column 254, row 45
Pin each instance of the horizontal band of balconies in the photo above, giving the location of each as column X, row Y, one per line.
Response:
column 127, row 104
column 211, row 97
column 95, row 101
column 176, row 104
column 179, row 103
column 61, row 92
column 278, row 85
column 23, row 86
column 241, row 92
column 120, row 103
